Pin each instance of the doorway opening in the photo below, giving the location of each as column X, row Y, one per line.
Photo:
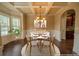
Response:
column 70, row 24
column 67, row 31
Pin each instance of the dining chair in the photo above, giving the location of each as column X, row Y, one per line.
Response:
column 47, row 40
column 28, row 38
column 52, row 41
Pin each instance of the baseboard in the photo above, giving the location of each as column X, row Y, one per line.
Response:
column 75, row 54
column 1, row 50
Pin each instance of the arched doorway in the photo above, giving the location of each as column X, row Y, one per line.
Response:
column 70, row 24
column 67, row 30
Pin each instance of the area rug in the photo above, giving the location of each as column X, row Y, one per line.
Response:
column 35, row 51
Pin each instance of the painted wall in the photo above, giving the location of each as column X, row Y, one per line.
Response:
column 30, row 21
column 50, row 21
column 76, row 39
column 63, row 26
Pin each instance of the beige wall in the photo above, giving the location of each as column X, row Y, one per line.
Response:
column 50, row 21
column 24, row 21
column 30, row 19
column 76, row 40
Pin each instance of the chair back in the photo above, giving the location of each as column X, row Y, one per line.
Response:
column 28, row 37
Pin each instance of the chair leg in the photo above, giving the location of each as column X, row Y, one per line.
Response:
column 27, row 45
column 53, row 47
column 50, row 48
column 40, row 45
column 30, row 48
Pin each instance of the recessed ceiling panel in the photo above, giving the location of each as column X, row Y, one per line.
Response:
column 60, row 4
column 21, row 3
column 39, row 10
column 40, row 3
column 53, row 10
column 26, row 10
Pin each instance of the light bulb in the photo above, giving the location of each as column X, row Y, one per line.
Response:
column 43, row 18
column 37, row 18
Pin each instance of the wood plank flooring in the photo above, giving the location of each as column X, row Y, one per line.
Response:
column 14, row 48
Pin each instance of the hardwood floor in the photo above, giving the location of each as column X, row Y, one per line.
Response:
column 14, row 48
column 66, row 47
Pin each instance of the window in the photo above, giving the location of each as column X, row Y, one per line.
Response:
column 15, row 23
column 4, row 25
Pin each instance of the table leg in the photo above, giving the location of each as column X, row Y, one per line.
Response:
column 40, row 44
column 50, row 48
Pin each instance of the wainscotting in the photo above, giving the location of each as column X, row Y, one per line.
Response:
column 1, row 49
column 8, row 38
column 76, row 43
column 57, row 35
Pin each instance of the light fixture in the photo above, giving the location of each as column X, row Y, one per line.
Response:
column 40, row 22
column 40, row 18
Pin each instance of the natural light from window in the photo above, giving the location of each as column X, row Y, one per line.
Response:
column 5, row 25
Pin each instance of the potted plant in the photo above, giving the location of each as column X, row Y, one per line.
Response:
column 15, row 32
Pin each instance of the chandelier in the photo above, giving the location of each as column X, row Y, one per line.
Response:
column 40, row 17
column 40, row 22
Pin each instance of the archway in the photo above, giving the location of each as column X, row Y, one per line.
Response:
column 68, row 24
column 67, row 29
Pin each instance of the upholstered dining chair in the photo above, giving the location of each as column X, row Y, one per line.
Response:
column 47, row 40
column 44, row 37
column 52, row 41
column 28, row 41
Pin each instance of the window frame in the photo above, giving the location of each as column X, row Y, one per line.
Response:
column 5, row 15
column 12, row 22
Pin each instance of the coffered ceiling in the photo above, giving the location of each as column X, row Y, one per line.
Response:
column 34, row 7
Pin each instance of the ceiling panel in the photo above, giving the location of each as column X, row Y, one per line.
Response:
column 39, row 10
column 26, row 10
column 33, row 7
column 60, row 4
column 40, row 3
column 21, row 3
column 54, row 10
